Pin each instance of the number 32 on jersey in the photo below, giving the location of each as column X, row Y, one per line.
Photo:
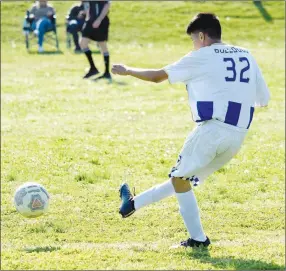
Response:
column 233, row 71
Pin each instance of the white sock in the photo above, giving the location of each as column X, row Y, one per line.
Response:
column 190, row 212
column 154, row 194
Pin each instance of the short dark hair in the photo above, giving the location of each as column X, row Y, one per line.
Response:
column 207, row 23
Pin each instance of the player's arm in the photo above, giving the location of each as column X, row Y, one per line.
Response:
column 87, row 9
column 104, row 12
column 262, row 93
column 186, row 68
column 87, row 14
column 151, row 75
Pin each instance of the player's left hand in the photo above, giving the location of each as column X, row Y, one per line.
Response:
column 96, row 23
column 119, row 69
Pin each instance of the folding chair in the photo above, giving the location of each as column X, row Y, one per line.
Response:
column 51, row 36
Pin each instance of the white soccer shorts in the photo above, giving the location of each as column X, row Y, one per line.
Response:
column 209, row 147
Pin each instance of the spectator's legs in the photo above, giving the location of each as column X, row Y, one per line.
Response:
column 34, row 27
column 73, row 28
column 43, row 25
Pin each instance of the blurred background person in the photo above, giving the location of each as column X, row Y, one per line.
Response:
column 96, row 28
column 42, row 13
column 75, row 21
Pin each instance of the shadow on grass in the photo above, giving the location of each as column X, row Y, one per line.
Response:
column 113, row 82
column 267, row 17
column 96, row 52
column 59, row 52
column 226, row 263
column 41, row 249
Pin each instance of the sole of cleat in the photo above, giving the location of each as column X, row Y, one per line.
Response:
column 124, row 216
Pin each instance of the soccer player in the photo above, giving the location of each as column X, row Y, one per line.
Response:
column 224, row 84
column 96, row 29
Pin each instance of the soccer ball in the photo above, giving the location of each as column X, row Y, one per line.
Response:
column 31, row 200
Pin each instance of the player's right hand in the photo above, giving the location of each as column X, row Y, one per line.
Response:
column 119, row 69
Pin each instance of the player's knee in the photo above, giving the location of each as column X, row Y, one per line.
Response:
column 83, row 43
column 180, row 185
column 103, row 47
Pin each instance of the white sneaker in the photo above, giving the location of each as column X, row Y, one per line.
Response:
column 41, row 49
column 36, row 32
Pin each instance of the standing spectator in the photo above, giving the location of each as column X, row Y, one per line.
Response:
column 96, row 28
column 76, row 18
column 42, row 13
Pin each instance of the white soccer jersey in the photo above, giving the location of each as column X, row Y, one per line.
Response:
column 223, row 82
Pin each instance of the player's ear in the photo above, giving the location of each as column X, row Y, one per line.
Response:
column 201, row 36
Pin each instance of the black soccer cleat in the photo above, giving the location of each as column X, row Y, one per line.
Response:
column 106, row 76
column 193, row 243
column 91, row 72
column 127, row 205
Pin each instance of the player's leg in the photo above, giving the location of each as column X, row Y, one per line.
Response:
column 198, row 151
column 194, row 156
column 166, row 189
column 130, row 204
column 225, row 152
column 226, row 148
column 84, row 47
column 102, row 39
column 154, row 194
column 188, row 205
column 104, row 50
column 187, row 202
column 85, row 39
column 190, row 212
column 195, row 163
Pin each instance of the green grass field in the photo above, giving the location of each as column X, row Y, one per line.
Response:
column 80, row 139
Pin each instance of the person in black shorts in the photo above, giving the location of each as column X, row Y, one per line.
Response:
column 96, row 28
